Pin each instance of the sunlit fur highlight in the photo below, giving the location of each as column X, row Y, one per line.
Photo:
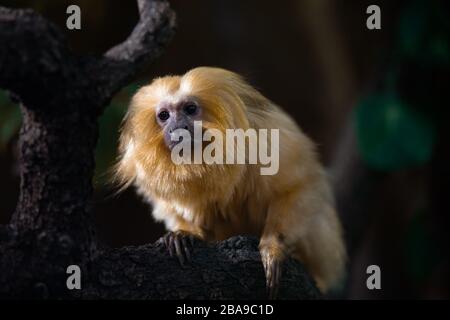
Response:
column 292, row 212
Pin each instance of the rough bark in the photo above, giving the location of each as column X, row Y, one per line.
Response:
column 62, row 95
column 230, row 269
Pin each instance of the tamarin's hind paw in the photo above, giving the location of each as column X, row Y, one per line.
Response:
column 272, row 266
column 179, row 243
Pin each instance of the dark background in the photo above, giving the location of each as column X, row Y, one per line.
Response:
column 317, row 60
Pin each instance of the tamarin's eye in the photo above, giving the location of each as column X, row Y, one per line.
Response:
column 190, row 109
column 163, row 115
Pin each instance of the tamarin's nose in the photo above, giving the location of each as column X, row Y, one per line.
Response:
column 173, row 129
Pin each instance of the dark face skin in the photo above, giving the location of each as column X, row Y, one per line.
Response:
column 180, row 115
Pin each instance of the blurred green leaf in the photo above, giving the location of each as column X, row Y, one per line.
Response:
column 440, row 49
column 3, row 98
column 10, row 119
column 423, row 32
column 392, row 135
column 109, row 125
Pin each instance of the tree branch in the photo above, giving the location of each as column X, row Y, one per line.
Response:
column 148, row 272
column 154, row 30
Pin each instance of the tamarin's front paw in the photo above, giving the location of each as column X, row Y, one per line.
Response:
column 179, row 243
column 272, row 263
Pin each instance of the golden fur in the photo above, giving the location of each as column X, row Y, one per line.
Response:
column 292, row 211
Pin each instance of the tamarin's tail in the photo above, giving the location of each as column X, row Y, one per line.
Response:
column 322, row 250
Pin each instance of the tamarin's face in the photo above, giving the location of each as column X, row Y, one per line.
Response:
column 169, row 103
column 176, row 102
column 172, row 115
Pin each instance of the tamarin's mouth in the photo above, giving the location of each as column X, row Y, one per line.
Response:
column 172, row 144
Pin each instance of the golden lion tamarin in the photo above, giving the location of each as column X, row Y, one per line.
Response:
column 291, row 211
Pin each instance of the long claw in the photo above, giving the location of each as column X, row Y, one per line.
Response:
column 166, row 242
column 178, row 244
column 274, row 281
column 186, row 249
column 171, row 239
column 179, row 251
column 272, row 266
